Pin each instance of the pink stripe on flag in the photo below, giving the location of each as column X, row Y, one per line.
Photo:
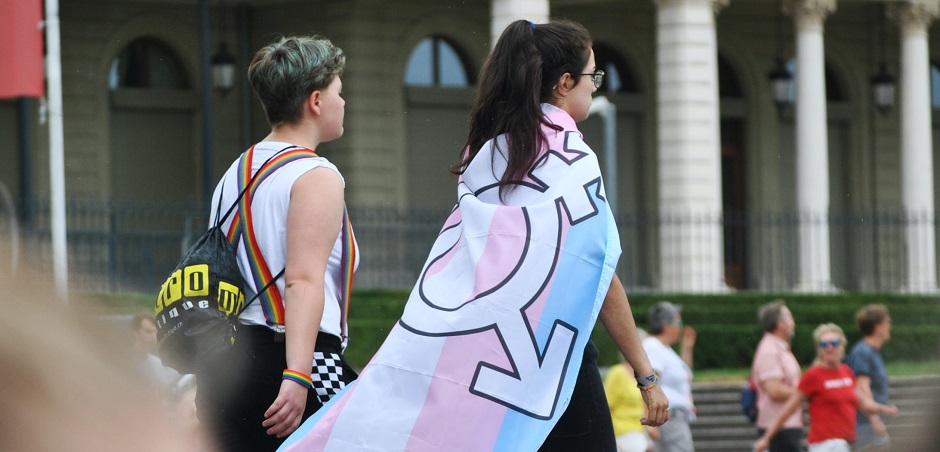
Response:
column 441, row 263
column 454, row 218
column 504, row 245
column 451, row 414
column 316, row 440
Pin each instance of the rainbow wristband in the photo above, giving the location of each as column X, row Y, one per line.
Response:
column 297, row 377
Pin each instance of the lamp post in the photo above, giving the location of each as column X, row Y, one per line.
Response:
column 883, row 87
column 882, row 83
column 781, row 79
column 223, row 70
column 781, row 83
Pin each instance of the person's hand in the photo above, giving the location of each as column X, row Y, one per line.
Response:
column 688, row 336
column 285, row 414
column 762, row 444
column 890, row 410
column 657, row 406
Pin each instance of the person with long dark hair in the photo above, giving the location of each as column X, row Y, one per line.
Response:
column 539, row 80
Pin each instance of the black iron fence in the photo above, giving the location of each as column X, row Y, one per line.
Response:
column 130, row 247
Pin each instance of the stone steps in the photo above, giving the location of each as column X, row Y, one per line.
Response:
column 721, row 426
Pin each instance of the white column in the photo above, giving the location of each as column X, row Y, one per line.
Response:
column 916, row 145
column 505, row 12
column 689, row 147
column 812, row 147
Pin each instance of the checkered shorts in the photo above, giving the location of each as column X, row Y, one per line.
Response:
column 327, row 375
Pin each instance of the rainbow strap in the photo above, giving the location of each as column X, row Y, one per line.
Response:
column 272, row 303
column 297, row 377
column 347, row 267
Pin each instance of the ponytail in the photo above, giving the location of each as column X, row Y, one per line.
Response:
column 516, row 78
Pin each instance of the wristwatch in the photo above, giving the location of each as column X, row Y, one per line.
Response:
column 649, row 380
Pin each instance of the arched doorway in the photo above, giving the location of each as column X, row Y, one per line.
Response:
column 154, row 166
column 152, row 106
column 935, row 117
column 733, row 177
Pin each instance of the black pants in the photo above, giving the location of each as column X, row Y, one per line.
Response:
column 786, row 440
column 234, row 391
column 585, row 425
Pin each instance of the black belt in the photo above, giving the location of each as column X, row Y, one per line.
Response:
column 324, row 340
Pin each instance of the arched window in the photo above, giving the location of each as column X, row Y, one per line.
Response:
column 435, row 62
column 934, row 86
column 618, row 78
column 147, row 63
column 834, row 90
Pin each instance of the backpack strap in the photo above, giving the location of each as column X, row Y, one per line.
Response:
column 347, row 270
column 242, row 227
column 219, row 220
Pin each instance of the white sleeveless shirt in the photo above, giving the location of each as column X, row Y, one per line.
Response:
column 269, row 213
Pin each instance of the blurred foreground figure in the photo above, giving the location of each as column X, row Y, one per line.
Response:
column 66, row 381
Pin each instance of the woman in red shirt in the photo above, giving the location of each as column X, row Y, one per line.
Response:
column 829, row 387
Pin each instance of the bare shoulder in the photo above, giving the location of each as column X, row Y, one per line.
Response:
column 318, row 181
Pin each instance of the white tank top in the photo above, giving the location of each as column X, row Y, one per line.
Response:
column 269, row 213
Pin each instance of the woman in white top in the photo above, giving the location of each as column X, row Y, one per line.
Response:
column 675, row 373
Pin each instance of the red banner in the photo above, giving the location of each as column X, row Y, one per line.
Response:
column 21, row 49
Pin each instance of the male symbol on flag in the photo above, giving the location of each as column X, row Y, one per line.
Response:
column 21, row 49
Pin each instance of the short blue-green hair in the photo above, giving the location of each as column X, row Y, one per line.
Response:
column 283, row 74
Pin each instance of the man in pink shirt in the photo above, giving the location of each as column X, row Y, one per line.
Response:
column 777, row 374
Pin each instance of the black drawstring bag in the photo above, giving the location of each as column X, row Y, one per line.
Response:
column 197, row 309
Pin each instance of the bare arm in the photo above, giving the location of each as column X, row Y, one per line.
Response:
column 688, row 345
column 776, row 389
column 313, row 222
column 868, row 405
column 617, row 318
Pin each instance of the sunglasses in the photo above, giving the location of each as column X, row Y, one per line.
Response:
column 833, row 343
column 597, row 77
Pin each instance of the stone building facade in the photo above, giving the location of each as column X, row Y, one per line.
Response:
column 700, row 141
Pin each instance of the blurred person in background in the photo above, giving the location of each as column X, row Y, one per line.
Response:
column 871, row 377
column 627, row 408
column 777, row 374
column 67, row 383
column 829, row 388
column 144, row 332
column 675, row 373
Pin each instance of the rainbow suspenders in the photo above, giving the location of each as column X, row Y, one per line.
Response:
column 272, row 302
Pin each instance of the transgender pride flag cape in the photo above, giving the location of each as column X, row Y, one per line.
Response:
column 488, row 348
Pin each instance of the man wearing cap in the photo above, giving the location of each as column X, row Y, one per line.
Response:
column 675, row 373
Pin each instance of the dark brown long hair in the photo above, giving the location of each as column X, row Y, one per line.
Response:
column 518, row 75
